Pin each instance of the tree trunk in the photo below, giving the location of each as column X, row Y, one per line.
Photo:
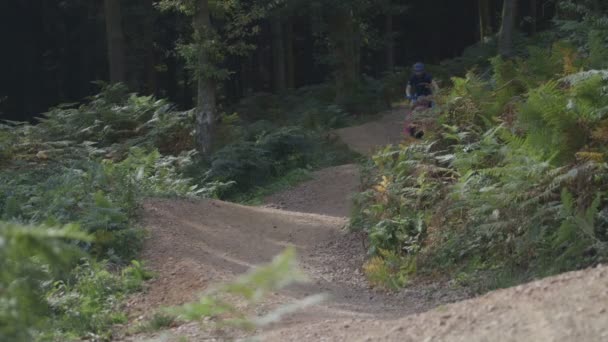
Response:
column 170, row 79
column 187, row 96
column 290, row 57
column 345, row 53
column 115, row 41
column 248, row 75
column 150, row 62
column 485, row 23
column 390, row 42
column 263, row 75
column 205, row 99
column 533, row 16
column 507, row 30
column 278, row 55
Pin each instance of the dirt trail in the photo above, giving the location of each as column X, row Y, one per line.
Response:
column 367, row 138
column 194, row 244
column 569, row 307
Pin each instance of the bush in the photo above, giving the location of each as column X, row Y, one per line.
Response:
column 31, row 257
column 368, row 97
column 389, row 270
column 101, row 197
column 112, row 122
column 513, row 184
column 250, row 163
column 52, row 176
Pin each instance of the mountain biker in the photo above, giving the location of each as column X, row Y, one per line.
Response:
column 422, row 85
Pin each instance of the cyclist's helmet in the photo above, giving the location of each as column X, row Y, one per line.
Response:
column 419, row 67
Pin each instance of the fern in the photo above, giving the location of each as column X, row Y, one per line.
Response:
column 510, row 183
column 31, row 256
column 551, row 125
column 598, row 49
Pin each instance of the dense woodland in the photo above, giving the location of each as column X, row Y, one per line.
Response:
column 59, row 48
column 105, row 103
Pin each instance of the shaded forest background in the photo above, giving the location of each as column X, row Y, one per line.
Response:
column 55, row 50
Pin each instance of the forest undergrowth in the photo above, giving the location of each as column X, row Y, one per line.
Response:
column 71, row 186
column 510, row 182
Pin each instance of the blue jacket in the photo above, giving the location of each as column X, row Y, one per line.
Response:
column 421, row 85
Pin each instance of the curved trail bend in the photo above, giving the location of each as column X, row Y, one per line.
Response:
column 195, row 244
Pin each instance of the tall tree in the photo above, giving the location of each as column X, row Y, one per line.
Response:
column 389, row 9
column 485, row 20
column 290, row 59
column 533, row 16
column 390, row 41
column 115, row 40
column 206, row 54
column 345, row 52
column 150, row 62
column 507, row 30
column 206, row 92
column 279, row 54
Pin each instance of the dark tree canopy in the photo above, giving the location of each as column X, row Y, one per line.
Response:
column 55, row 50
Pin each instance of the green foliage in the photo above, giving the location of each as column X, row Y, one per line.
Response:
column 256, row 196
column 389, row 270
column 53, row 175
column 30, row 258
column 115, row 117
column 101, row 197
column 582, row 228
column 159, row 321
column 270, row 155
column 312, row 107
column 134, row 276
column 507, row 80
column 583, row 19
column 598, row 50
column 87, row 302
column 469, row 102
column 67, row 195
column 513, row 185
column 370, row 96
column 234, row 23
column 558, row 122
column 409, row 182
column 551, row 127
column 267, row 154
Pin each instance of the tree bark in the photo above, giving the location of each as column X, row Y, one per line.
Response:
column 290, row 57
column 150, row 62
column 507, row 30
column 115, row 40
column 205, row 99
column 533, row 16
column 263, row 77
column 345, row 53
column 390, row 42
column 485, row 23
column 278, row 55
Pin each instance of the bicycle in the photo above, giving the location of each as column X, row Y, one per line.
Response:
column 418, row 104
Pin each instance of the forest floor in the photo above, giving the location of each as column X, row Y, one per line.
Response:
column 195, row 244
